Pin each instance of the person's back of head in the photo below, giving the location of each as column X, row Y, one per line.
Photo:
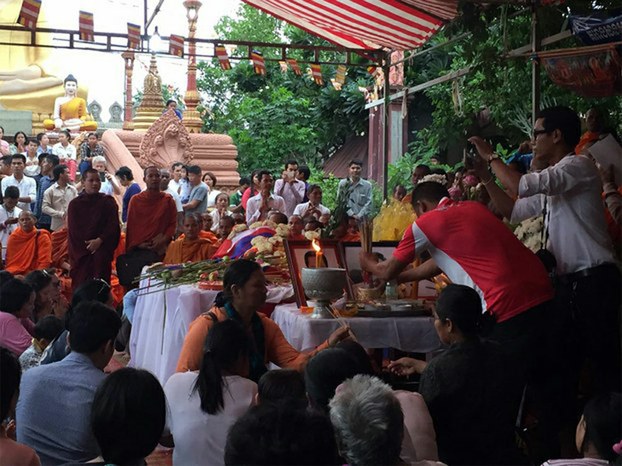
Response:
column 430, row 191
column 125, row 173
column 92, row 290
column 368, row 422
column 11, row 192
column 10, row 375
column 354, row 349
column 280, row 385
column 463, row 306
column 277, row 217
column 225, row 352
column 91, row 325
column 128, row 416
column 14, row 294
column 281, row 434
column 5, row 276
column 325, row 371
column 600, row 428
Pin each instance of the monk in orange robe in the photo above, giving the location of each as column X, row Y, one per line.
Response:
column 189, row 247
column 206, row 231
column 151, row 217
column 28, row 248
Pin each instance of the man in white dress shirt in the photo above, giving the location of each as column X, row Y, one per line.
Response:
column 314, row 206
column 568, row 188
column 259, row 206
column 27, row 186
column 290, row 188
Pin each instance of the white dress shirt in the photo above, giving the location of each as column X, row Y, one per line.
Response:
column 578, row 235
column 8, row 229
column 55, row 203
column 216, row 218
column 292, row 194
column 301, row 209
column 63, row 153
column 175, row 195
column 27, row 188
column 252, row 207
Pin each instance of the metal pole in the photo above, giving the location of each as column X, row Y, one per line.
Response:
column 386, row 128
column 535, row 63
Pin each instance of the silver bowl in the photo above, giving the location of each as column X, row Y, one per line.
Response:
column 323, row 285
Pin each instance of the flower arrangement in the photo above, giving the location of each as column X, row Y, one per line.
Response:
column 435, row 177
column 529, row 232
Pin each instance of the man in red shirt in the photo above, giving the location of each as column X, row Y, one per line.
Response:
column 474, row 248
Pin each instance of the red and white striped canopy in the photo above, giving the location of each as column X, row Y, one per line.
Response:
column 365, row 24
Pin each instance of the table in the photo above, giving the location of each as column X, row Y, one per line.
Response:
column 411, row 334
column 162, row 318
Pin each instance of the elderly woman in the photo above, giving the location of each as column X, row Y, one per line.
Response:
column 243, row 295
column 28, row 248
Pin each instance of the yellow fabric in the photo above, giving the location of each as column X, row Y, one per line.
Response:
column 74, row 108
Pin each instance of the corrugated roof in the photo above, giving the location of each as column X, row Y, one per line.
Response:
column 355, row 148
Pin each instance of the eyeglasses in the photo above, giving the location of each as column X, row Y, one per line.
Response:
column 538, row 132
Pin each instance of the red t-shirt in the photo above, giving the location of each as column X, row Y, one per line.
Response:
column 476, row 249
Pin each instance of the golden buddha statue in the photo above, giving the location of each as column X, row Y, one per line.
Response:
column 70, row 110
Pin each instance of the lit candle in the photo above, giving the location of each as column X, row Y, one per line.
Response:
column 318, row 253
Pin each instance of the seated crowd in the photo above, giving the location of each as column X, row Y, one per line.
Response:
column 518, row 346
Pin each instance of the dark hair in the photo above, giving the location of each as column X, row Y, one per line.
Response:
column 313, row 187
column 91, row 290
column 125, row 172
column 281, row 217
column 280, row 434
column 279, row 385
column 92, row 171
column 128, row 415
column 423, row 167
column 66, row 133
column 238, row 273
column 355, row 162
column 306, row 172
column 222, row 194
column 170, row 101
column 564, row 119
column 31, row 141
column 262, row 173
column 6, row 160
column 12, row 192
column 355, row 350
column 91, row 134
column 462, row 305
column 10, row 374
column 429, row 191
column 38, row 279
column 22, row 157
column 14, row 294
column 5, row 276
column 52, row 158
column 40, row 136
column 58, row 170
column 291, row 162
column 17, row 134
column 194, row 169
column 603, row 424
column 245, row 180
column 438, row 171
column 177, row 164
column 91, row 324
column 227, row 218
column 225, row 344
column 252, row 184
column 48, row 327
column 70, row 78
column 325, row 371
column 212, row 176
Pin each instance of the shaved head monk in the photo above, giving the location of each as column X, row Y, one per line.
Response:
column 28, row 248
column 190, row 247
column 93, row 232
column 151, row 217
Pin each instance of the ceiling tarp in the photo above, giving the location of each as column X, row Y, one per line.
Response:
column 365, row 24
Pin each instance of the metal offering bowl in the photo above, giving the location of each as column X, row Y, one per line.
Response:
column 323, row 285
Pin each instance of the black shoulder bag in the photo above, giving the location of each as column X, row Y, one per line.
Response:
column 546, row 256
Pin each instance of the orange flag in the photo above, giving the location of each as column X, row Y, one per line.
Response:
column 133, row 36
column 29, row 13
column 295, row 68
column 86, row 27
column 259, row 64
column 223, row 57
column 316, row 72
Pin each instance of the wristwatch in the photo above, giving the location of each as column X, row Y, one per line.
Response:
column 493, row 156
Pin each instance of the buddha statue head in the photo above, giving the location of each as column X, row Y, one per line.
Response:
column 71, row 85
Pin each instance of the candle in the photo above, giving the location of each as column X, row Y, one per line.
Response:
column 318, row 253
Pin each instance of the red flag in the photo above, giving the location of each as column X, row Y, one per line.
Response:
column 176, row 45
column 223, row 57
column 133, row 36
column 86, row 27
column 295, row 68
column 259, row 64
column 29, row 13
column 316, row 72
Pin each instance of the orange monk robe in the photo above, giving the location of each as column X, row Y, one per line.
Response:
column 587, row 138
column 148, row 215
column 116, row 289
column 60, row 251
column 182, row 250
column 26, row 252
column 350, row 237
column 209, row 235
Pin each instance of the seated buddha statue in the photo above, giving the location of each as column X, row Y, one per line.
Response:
column 70, row 110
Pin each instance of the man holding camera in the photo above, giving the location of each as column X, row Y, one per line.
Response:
column 291, row 189
column 566, row 189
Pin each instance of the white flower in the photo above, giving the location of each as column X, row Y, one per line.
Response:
column 311, row 235
column 437, row 178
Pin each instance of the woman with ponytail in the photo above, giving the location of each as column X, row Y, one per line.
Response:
column 244, row 294
column 204, row 404
column 468, row 389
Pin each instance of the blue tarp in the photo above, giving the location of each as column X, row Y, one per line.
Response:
column 598, row 28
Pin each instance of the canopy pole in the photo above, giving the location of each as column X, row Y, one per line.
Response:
column 386, row 130
column 535, row 64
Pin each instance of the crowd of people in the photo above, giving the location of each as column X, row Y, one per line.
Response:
column 528, row 336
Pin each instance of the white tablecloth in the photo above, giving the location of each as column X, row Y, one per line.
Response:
column 412, row 334
column 161, row 321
